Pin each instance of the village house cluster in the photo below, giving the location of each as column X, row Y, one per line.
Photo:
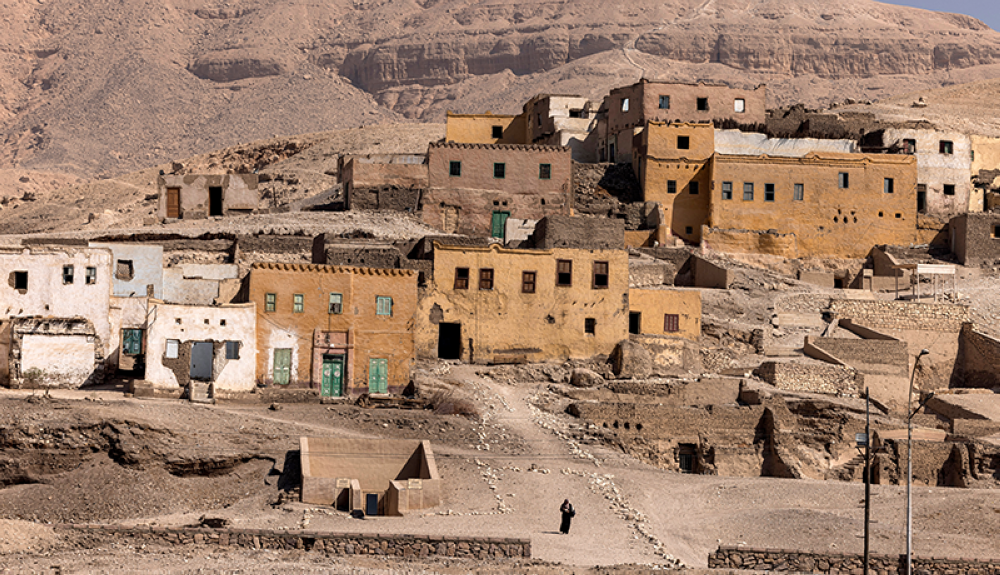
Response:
column 519, row 273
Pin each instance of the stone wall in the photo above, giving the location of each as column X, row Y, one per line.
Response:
column 978, row 358
column 894, row 315
column 866, row 353
column 797, row 562
column 813, row 378
column 578, row 233
column 406, row 546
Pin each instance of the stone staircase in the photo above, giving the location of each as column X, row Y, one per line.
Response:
column 200, row 392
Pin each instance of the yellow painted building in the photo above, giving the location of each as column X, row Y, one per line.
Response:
column 485, row 128
column 498, row 305
column 673, row 312
column 796, row 205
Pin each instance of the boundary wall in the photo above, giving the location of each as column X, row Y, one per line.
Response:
column 832, row 563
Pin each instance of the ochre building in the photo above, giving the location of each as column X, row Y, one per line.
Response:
column 498, row 305
column 342, row 330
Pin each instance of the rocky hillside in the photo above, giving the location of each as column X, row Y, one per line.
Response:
column 106, row 87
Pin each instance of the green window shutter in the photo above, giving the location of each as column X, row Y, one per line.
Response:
column 383, row 305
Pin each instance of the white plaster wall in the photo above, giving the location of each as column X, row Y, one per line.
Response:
column 735, row 142
column 180, row 290
column 48, row 296
column 147, row 264
column 234, row 375
column 60, row 356
column 936, row 169
column 125, row 312
column 280, row 339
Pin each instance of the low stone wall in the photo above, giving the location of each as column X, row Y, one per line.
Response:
column 407, row 546
column 813, row 378
column 794, row 561
column 896, row 315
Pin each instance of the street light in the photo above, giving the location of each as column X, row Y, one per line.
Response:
column 909, row 462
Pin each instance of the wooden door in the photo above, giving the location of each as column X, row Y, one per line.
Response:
column 282, row 371
column 378, row 375
column 173, row 202
column 498, row 224
column 333, row 376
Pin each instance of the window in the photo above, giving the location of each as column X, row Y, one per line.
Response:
column 232, row 350
column 91, row 276
column 946, row 147
column 455, row 168
column 564, row 272
column 909, row 146
column 544, row 171
column 124, row 270
column 748, row 192
column 527, row 282
column 688, row 230
column 270, row 302
column 693, row 188
column 664, row 102
column 887, row 186
column 768, row 192
column 173, row 349
column 67, row 274
column 949, row 189
column 336, row 304
column 727, row 190
column 298, row 303
column 671, row 323
column 843, row 180
column 996, row 231
column 702, row 104
column 671, row 186
column 499, row 170
column 600, row 275
column 590, row 326
column 921, row 198
column 19, row 280
column 497, row 131
column 461, row 278
column 624, row 104
column 683, row 142
column 634, row 322
column 486, row 279
column 132, row 341
column 800, row 192
column 383, row 305
column 739, row 105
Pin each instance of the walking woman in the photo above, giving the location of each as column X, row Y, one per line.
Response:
column 567, row 516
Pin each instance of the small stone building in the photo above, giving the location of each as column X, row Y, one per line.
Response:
column 975, row 238
column 376, row 476
column 384, row 181
column 199, row 196
column 474, row 188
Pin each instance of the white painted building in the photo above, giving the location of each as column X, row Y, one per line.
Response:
column 944, row 166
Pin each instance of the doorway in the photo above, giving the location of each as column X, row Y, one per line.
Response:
column 173, row 203
column 214, row 201
column 201, row 361
column 371, row 503
column 635, row 322
column 449, row 341
column 282, row 366
column 333, row 375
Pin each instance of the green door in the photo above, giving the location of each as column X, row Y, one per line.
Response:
column 333, row 376
column 282, row 366
column 132, row 341
column 378, row 376
column 499, row 221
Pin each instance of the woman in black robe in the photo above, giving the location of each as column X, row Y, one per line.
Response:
column 567, row 516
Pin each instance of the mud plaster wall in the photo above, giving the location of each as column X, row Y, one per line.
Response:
column 979, row 359
column 935, row 169
column 671, row 355
column 201, row 324
column 147, row 265
column 49, row 352
column 655, row 304
column 578, row 233
column 239, row 193
column 974, row 241
column 478, row 129
column 739, row 241
column 125, row 313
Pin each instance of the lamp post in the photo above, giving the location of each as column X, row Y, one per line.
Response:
column 909, row 463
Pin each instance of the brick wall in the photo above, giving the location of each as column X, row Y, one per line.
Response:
column 867, row 352
column 798, row 562
column 896, row 315
column 407, row 546
column 978, row 358
column 814, row 378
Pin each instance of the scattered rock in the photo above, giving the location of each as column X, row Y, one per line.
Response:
column 582, row 377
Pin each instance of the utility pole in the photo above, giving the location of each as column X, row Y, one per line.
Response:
column 909, row 464
column 868, row 477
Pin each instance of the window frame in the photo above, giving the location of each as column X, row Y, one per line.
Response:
column 560, row 264
column 232, row 350
column 671, row 323
column 339, row 309
column 544, row 171
column 68, row 273
column 739, row 106
column 798, row 192
column 529, row 285
column 176, row 343
column 298, row 303
column 381, row 302
column 461, row 282
column 946, row 147
column 486, row 279
column 843, row 180
column 270, row 302
column 683, row 142
column 888, row 185
column 769, row 192
column 128, row 274
column 594, row 284
column 727, row 194
column 90, row 276
column 671, row 186
column 664, row 99
column 625, row 105
column 501, row 169
column 748, row 191
column 455, row 168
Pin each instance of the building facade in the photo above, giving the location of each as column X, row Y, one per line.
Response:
column 944, row 168
column 485, row 128
column 340, row 330
column 199, row 196
column 474, row 188
column 497, row 305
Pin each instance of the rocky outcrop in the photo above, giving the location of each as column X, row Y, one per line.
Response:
column 232, row 65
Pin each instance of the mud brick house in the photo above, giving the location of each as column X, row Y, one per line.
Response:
column 498, row 305
column 384, row 181
column 207, row 351
column 340, row 330
column 199, row 196
column 474, row 188
column 944, row 167
column 563, row 120
column 975, row 238
column 488, row 128
column 628, row 109
column 55, row 328
column 775, row 197
column 376, row 476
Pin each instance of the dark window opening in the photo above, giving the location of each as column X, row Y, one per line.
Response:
column 686, row 458
column 214, row 201
column 124, row 270
column 693, row 188
column 574, row 114
column 843, row 180
column 683, row 142
column 768, row 192
column 544, row 171
column 671, row 186
column 486, row 279
column 232, row 350
column 497, row 132
column 590, row 325
column 455, row 168
column 702, row 104
column 946, row 147
column 528, row 282
column 499, row 170
column 600, row 275
column 20, row 280
column 634, row 322
column 449, row 340
column 67, row 275
column 664, row 102
column 564, row 272
column 671, row 322
column 888, row 185
column 921, row 198
column 909, row 146
column 727, row 190
column 461, row 278
column 949, row 189
column 91, row 276
column 996, row 231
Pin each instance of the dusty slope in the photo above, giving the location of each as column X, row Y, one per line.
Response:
column 108, row 87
